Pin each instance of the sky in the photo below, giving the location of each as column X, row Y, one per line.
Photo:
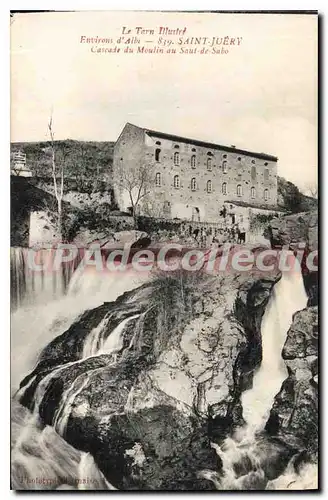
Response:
column 260, row 96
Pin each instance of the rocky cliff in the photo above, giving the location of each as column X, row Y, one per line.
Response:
column 294, row 415
column 148, row 410
column 289, row 232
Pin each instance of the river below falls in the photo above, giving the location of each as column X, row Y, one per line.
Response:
column 41, row 458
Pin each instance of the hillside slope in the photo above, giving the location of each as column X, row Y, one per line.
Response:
column 90, row 161
column 291, row 199
column 84, row 160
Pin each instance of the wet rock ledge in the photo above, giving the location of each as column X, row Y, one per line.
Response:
column 148, row 413
column 294, row 416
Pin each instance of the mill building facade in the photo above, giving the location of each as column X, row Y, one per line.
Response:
column 191, row 179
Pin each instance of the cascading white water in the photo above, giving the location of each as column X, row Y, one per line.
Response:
column 87, row 468
column 111, row 346
column 92, row 342
column 306, row 479
column 42, row 460
column 67, row 401
column 34, row 325
column 40, row 285
column 42, row 453
column 114, row 342
column 17, row 276
column 288, row 297
column 41, row 323
column 81, row 465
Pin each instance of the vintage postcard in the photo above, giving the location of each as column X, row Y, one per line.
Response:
column 164, row 251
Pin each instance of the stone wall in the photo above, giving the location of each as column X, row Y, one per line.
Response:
column 25, row 199
column 185, row 201
column 128, row 156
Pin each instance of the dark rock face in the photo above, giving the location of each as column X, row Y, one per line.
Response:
column 293, row 420
column 293, row 229
column 294, row 415
column 148, row 413
column 290, row 231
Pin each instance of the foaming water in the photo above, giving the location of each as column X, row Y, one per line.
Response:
column 288, row 296
column 92, row 342
column 305, row 479
column 41, row 459
column 33, row 326
column 114, row 342
column 63, row 413
column 240, row 454
column 111, row 346
column 87, row 468
column 40, row 285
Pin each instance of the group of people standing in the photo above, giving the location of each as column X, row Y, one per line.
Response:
column 233, row 234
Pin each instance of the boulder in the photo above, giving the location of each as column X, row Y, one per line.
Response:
column 290, row 230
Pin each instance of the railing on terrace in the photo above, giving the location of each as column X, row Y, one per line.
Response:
column 182, row 225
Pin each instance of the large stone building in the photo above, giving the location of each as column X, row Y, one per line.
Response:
column 191, row 179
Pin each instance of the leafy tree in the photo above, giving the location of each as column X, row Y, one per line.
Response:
column 291, row 195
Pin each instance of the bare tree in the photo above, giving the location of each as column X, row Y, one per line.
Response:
column 57, row 171
column 136, row 181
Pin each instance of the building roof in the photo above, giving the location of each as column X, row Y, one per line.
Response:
column 210, row 145
column 255, row 205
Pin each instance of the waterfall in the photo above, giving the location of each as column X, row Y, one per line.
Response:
column 67, row 400
column 37, row 286
column 305, row 479
column 114, row 342
column 41, row 453
column 88, row 468
column 288, row 297
column 17, row 276
column 111, row 346
column 77, row 468
column 37, row 323
column 42, row 460
column 92, row 342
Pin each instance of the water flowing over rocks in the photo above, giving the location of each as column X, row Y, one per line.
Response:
column 294, row 415
column 153, row 388
column 148, row 404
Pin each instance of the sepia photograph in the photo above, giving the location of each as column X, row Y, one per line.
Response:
column 164, row 251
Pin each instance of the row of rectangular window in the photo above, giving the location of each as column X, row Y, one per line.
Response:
column 193, row 186
column 176, row 159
